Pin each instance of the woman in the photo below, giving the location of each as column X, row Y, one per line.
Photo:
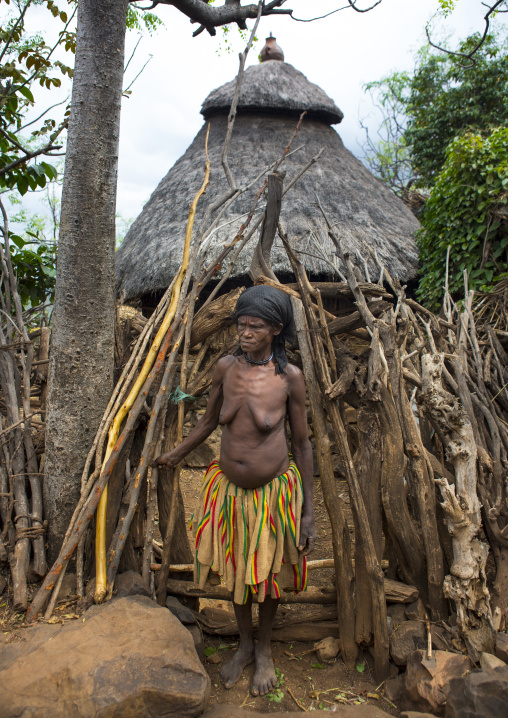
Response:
column 255, row 521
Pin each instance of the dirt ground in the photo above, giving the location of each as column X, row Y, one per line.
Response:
column 303, row 680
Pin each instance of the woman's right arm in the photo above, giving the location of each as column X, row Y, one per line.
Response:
column 208, row 422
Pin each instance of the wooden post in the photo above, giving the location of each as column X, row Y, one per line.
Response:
column 340, row 536
column 380, row 626
column 467, row 583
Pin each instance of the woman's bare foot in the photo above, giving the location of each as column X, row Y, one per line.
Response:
column 264, row 677
column 232, row 670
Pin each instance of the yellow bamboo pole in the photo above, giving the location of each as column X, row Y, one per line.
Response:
column 100, row 531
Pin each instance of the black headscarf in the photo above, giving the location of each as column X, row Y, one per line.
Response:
column 273, row 306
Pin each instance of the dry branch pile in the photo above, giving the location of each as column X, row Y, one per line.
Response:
column 415, row 405
column 22, row 403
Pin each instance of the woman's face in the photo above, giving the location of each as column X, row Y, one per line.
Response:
column 256, row 334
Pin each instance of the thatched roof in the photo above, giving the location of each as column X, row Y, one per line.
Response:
column 362, row 209
column 274, row 86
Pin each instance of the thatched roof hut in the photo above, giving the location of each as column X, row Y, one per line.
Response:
column 273, row 96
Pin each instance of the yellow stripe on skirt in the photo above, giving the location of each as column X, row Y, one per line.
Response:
column 250, row 536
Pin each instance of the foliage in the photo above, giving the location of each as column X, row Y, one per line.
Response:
column 141, row 20
column 468, row 211
column 388, row 157
column 122, row 227
column 35, row 269
column 423, row 112
column 33, row 248
column 446, row 6
column 26, row 61
column 276, row 695
column 447, row 98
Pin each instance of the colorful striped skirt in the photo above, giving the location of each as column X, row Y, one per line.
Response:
column 249, row 537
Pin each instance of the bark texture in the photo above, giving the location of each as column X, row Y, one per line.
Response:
column 81, row 368
column 466, row 584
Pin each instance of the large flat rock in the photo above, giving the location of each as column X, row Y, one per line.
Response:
column 127, row 658
column 481, row 694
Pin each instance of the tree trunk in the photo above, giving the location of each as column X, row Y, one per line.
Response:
column 81, row 368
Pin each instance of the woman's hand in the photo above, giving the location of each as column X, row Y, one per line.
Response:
column 308, row 534
column 168, row 460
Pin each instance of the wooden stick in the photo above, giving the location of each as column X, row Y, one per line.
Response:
column 393, row 592
column 166, row 550
column 311, row 565
column 122, row 529
column 381, row 643
column 100, row 538
column 89, row 506
column 340, row 534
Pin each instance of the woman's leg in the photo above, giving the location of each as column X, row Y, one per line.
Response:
column 264, row 677
column 232, row 670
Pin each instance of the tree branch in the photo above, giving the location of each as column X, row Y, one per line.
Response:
column 29, row 156
column 210, row 17
column 352, row 4
column 469, row 55
column 15, row 27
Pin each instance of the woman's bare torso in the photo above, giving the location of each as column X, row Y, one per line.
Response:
column 253, row 416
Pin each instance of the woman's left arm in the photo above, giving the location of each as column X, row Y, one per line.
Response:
column 302, row 453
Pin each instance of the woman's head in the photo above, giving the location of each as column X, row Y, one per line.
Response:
column 273, row 308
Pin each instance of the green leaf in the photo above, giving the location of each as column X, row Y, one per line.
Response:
column 360, row 667
column 209, row 651
column 317, row 665
column 26, row 93
column 22, row 185
column 18, row 241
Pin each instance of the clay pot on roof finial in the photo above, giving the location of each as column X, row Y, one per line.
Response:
column 271, row 50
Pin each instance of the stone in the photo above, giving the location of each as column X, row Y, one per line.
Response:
column 488, row 662
column 393, row 688
column 184, row 614
column 214, row 658
column 327, row 649
column 481, row 694
column 340, row 711
column 405, row 639
column 3, row 584
column 123, row 659
column 68, row 589
column 390, row 624
column 415, row 611
column 393, row 670
column 201, row 457
column 130, row 583
column 427, row 682
column 502, row 646
column 397, row 612
column 199, row 644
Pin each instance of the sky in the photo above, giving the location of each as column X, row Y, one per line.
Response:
column 340, row 53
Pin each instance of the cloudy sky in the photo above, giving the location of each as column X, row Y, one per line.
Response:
column 340, row 53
